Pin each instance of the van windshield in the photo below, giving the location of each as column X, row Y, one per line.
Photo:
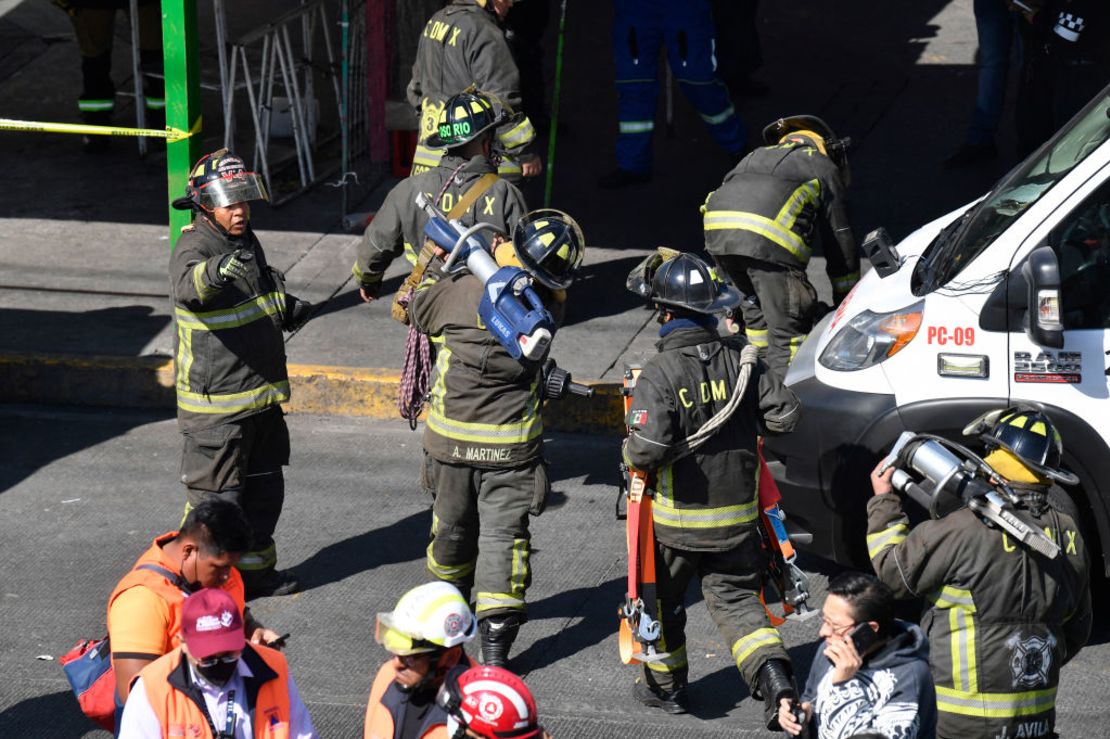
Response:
column 959, row 243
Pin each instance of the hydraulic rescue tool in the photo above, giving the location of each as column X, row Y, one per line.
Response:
column 949, row 483
column 782, row 568
column 639, row 625
column 510, row 308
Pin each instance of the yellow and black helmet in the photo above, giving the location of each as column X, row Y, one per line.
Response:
column 464, row 117
column 811, row 130
column 1027, row 433
column 550, row 245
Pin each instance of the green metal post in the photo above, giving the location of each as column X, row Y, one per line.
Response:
column 183, row 102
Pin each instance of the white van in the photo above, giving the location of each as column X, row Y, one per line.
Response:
column 1005, row 300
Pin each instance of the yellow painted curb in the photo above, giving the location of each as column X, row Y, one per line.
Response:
column 148, row 382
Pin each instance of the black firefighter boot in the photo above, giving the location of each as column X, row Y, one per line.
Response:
column 674, row 700
column 774, row 682
column 498, row 634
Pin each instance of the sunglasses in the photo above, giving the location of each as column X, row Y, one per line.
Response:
column 227, row 659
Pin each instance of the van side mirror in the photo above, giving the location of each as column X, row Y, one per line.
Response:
column 879, row 249
column 1043, row 324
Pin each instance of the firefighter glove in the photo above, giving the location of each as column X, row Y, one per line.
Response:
column 297, row 313
column 234, row 266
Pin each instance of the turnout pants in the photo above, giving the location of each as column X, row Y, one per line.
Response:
column 730, row 582
column 781, row 316
column 480, row 530
column 640, row 29
column 94, row 28
column 241, row 461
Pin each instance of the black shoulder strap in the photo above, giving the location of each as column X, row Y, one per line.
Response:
column 173, row 577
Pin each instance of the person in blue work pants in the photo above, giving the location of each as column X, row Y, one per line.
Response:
column 685, row 27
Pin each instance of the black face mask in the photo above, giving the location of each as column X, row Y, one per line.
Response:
column 219, row 673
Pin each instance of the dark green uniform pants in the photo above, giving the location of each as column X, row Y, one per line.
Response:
column 778, row 323
column 730, row 582
column 480, row 530
column 241, row 461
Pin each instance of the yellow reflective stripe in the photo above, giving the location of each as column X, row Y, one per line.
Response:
column 490, row 601
column 637, row 126
column 242, row 314
column 675, row 660
column 844, row 283
column 721, row 117
column 453, row 573
column 796, row 344
column 184, row 356
column 665, row 484
column 262, row 559
column 261, row 397
column 356, row 272
column 757, row 337
column 961, row 625
column 953, row 597
column 155, row 103
column 895, row 534
column 425, row 156
column 995, row 705
column 509, row 166
column 204, row 292
column 805, row 194
column 519, row 574
column 518, row 135
column 489, row 433
column 410, row 254
column 666, row 514
column 528, row 428
column 738, row 220
column 745, row 645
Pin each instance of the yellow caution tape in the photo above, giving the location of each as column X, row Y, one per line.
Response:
column 170, row 134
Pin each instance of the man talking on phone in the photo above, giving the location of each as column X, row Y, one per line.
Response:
column 872, row 675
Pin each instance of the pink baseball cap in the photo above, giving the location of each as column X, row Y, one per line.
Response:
column 211, row 624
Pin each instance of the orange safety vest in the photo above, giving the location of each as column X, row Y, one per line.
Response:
column 169, row 592
column 385, row 704
column 180, row 715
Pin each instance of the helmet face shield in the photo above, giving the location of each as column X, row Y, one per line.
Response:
column 396, row 641
column 223, row 192
column 639, row 280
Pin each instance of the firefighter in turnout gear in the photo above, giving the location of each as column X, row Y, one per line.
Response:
column 1003, row 619
column 761, row 225
column 484, row 438
column 463, row 184
column 94, row 24
column 230, row 307
column 463, row 45
column 706, row 505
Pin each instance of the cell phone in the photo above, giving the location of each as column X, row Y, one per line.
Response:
column 279, row 642
column 864, row 637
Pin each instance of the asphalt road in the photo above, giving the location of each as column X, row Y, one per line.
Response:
column 83, row 492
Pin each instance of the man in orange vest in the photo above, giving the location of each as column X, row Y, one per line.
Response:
column 216, row 684
column 144, row 610
column 424, row 634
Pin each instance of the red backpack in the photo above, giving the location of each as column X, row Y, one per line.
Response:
column 88, row 667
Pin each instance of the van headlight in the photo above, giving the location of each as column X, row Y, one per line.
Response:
column 871, row 337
